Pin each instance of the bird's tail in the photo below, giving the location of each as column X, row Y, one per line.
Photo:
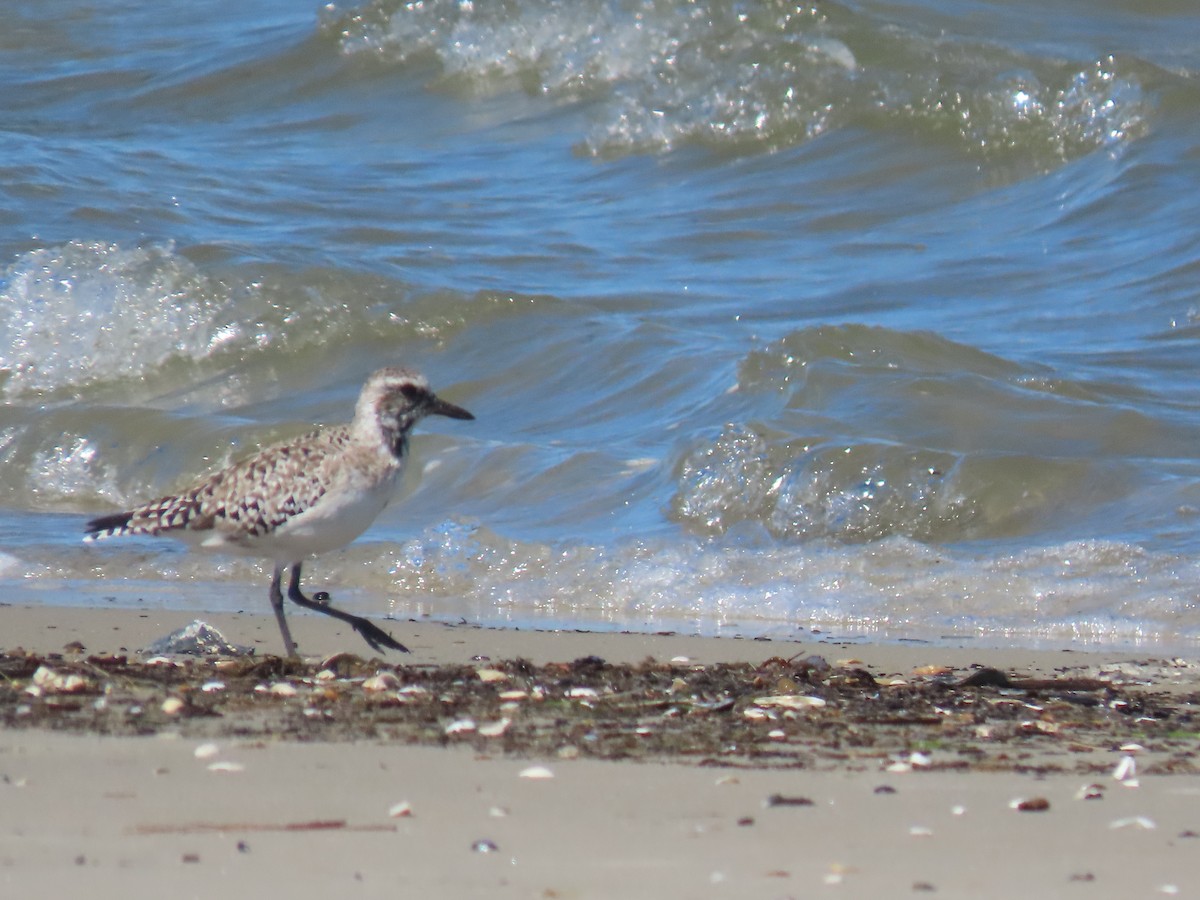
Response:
column 114, row 525
column 163, row 515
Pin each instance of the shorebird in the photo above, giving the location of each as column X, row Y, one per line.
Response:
column 303, row 497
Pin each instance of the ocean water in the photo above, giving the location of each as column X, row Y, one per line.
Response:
column 864, row 320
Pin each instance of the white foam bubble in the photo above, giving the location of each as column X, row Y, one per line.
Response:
column 67, row 470
column 84, row 312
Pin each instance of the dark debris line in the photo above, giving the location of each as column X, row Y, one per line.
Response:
column 711, row 715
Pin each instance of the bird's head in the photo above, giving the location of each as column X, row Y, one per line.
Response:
column 393, row 400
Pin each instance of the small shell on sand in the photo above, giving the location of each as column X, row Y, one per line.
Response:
column 173, row 706
column 1126, row 769
column 790, row 701
column 1031, row 804
column 535, row 772
column 914, row 760
column 494, row 729
column 278, row 689
column 1134, row 822
column 932, row 670
column 384, row 681
column 45, row 679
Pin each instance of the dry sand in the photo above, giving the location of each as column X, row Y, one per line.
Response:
column 719, row 794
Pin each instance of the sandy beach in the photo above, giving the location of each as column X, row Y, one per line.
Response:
column 553, row 765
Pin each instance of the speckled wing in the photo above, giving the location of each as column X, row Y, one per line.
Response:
column 248, row 500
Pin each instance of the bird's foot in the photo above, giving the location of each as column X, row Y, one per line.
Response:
column 379, row 639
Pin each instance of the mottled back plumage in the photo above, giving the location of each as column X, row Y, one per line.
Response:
column 249, row 499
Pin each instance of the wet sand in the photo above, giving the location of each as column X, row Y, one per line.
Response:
column 681, row 767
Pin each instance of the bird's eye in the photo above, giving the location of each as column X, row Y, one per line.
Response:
column 412, row 392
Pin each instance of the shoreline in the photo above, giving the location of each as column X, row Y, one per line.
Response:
column 128, row 629
column 677, row 770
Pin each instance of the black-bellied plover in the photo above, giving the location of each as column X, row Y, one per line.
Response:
column 306, row 496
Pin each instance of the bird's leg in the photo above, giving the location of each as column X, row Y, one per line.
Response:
column 289, row 646
column 371, row 633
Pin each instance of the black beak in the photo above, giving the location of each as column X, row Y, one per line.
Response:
column 439, row 407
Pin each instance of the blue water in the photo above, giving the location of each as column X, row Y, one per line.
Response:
column 875, row 319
